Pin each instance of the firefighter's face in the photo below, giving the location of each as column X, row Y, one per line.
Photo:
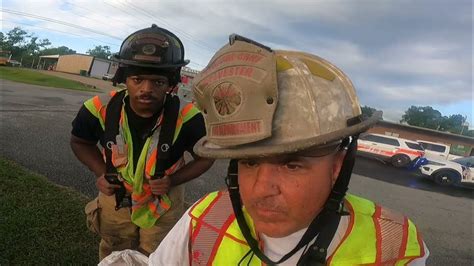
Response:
column 147, row 93
column 283, row 194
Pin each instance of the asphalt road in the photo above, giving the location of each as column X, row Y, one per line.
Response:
column 35, row 124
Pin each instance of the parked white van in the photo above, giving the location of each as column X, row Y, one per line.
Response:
column 437, row 151
column 434, row 150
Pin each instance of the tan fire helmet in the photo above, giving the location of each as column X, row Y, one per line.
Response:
column 259, row 102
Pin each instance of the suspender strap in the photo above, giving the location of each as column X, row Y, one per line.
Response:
column 317, row 252
column 165, row 141
column 332, row 211
column 112, row 118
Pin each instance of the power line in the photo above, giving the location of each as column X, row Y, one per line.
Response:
column 89, row 11
column 137, row 9
column 178, row 30
column 68, row 33
column 150, row 16
column 19, row 13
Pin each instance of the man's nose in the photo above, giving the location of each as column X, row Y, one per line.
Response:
column 266, row 183
column 147, row 85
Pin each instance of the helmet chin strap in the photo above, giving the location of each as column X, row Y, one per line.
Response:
column 324, row 225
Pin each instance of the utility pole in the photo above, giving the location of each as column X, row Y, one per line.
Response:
column 32, row 64
column 465, row 124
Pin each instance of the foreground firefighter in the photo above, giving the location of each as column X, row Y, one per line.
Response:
column 289, row 123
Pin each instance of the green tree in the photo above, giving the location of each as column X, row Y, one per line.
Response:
column 24, row 46
column 2, row 40
column 453, row 123
column 469, row 133
column 100, row 51
column 427, row 117
column 367, row 111
column 423, row 116
column 61, row 50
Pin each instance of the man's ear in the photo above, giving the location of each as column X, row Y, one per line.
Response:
column 337, row 164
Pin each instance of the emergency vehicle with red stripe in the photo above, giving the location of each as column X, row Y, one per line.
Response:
column 397, row 151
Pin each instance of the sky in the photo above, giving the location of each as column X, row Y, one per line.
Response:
column 398, row 53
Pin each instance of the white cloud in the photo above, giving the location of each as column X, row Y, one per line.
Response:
column 418, row 58
column 397, row 53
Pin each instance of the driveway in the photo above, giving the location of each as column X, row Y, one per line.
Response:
column 93, row 82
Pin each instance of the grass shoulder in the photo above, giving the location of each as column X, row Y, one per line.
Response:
column 42, row 223
column 35, row 78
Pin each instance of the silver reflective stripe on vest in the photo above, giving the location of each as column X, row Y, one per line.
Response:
column 211, row 229
column 393, row 231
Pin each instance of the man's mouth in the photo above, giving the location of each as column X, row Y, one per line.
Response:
column 264, row 210
column 145, row 99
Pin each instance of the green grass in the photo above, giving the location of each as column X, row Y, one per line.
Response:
column 42, row 223
column 36, row 78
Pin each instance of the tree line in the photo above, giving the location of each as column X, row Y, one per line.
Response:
column 26, row 47
column 428, row 117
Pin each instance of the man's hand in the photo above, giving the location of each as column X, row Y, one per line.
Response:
column 160, row 186
column 104, row 186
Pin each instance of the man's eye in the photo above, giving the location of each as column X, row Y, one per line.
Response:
column 292, row 166
column 137, row 80
column 160, row 83
column 249, row 163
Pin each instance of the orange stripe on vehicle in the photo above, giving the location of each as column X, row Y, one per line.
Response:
column 359, row 146
column 388, row 153
column 416, row 153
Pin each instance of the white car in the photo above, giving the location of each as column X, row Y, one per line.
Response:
column 455, row 172
column 108, row 76
column 398, row 151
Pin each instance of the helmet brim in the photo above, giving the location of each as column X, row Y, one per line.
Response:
column 161, row 66
column 267, row 147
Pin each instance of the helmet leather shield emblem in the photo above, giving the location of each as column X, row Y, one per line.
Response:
column 227, row 99
column 234, row 93
column 149, row 49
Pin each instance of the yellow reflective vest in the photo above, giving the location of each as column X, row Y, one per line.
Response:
column 374, row 236
column 146, row 208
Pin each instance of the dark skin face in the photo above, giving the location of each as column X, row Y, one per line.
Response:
column 147, row 93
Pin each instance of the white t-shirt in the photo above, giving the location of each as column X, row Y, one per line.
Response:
column 173, row 250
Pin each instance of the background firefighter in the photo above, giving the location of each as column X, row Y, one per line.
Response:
column 144, row 132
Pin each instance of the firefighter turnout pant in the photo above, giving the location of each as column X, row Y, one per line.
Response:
column 117, row 231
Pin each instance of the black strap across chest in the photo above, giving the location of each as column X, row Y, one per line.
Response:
column 165, row 140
